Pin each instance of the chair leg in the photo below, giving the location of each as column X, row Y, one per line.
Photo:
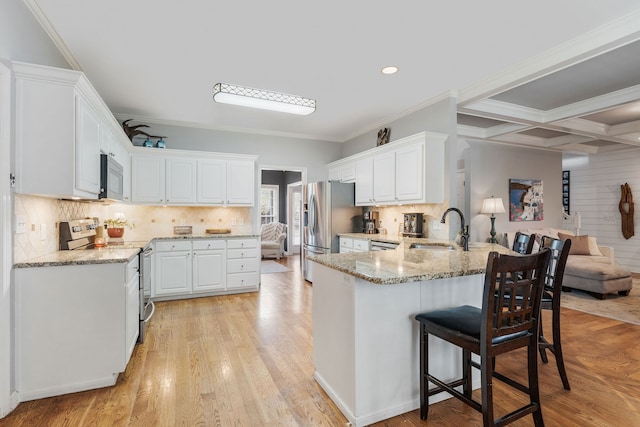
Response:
column 534, row 390
column 467, row 387
column 557, row 349
column 424, row 369
column 486, row 380
column 541, row 339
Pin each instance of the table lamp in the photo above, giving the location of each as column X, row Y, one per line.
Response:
column 492, row 205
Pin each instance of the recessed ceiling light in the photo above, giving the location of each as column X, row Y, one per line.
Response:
column 390, row 70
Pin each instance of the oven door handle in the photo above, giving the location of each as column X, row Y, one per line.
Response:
column 153, row 310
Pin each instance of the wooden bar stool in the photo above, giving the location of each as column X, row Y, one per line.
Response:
column 495, row 329
column 551, row 301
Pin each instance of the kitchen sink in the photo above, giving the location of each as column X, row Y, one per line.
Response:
column 432, row 247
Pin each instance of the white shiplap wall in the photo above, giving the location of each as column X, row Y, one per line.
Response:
column 595, row 193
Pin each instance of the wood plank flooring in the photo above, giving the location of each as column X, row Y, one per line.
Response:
column 246, row 360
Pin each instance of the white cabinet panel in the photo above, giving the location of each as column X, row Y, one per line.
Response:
column 209, row 270
column 180, row 186
column 384, row 177
column 364, row 182
column 132, row 315
column 212, row 181
column 148, row 179
column 240, row 183
column 408, row 173
column 173, row 273
column 87, row 148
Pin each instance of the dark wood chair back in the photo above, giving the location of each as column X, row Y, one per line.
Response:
column 559, row 254
column 523, row 243
column 508, row 276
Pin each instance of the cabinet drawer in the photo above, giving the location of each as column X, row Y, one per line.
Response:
column 208, row 244
column 242, row 253
column 346, row 242
column 360, row 245
column 242, row 265
column 240, row 280
column 242, row 243
column 174, row 245
column 132, row 269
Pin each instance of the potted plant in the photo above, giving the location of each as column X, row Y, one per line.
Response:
column 115, row 226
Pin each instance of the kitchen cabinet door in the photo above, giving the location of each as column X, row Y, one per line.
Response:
column 364, row 182
column 180, row 181
column 384, row 177
column 212, row 181
column 173, row 272
column 88, row 132
column 209, row 273
column 147, row 175
column 240, row 183
column 409, row 164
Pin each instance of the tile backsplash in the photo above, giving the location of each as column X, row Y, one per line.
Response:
column 149, row 221
column 392, row 218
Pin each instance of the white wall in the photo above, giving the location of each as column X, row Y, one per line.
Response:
column 23, row 39
column 595, row 193
column 272, row 150
column 488, row 169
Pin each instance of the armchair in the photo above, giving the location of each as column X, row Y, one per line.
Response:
column 272, row 237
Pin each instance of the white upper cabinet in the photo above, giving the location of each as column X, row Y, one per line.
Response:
column 409, row 170
column 147, row 179
column 364, row 181
column 384, row 177
column 180, row 181
column 343, row 172
column 61, row 123
column 212, row 176
column 240, row 183
column 175, row 177
column 88, row 130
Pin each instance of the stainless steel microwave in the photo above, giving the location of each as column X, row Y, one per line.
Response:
column 111, row 178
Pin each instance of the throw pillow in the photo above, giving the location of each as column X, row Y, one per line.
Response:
column 579, row 244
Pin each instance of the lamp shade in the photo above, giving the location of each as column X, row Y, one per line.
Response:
column 492, row 205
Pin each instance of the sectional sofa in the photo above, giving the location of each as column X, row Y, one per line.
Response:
column 590, row 267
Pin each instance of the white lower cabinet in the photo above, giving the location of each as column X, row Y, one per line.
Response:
column 349, row 244
column 199, row 267
column 173, row 268
column 209, row 265
column 75, row 326
column 243, row 263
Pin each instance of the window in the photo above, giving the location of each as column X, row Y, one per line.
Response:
column 269, row 204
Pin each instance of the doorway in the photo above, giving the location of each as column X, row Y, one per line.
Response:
column 284, row 184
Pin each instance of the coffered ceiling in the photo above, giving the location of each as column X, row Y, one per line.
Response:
column 548, row 74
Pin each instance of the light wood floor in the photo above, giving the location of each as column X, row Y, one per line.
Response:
column 246, row 360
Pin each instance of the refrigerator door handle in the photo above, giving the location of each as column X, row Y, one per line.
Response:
column 312, row 214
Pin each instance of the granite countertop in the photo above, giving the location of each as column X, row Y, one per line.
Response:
column 403, row 264
column 115, row 253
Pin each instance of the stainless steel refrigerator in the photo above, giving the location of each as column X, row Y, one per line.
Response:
column 329, row 209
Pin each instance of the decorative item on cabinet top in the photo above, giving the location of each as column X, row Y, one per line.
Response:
column 133, row 131
column 383, row 136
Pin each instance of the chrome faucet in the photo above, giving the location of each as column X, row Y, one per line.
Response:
column 464, row 239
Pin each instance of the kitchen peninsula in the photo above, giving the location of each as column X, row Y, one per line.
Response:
column 365, row 338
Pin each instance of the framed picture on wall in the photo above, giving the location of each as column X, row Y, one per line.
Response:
column 525, row 200
column 566, row 191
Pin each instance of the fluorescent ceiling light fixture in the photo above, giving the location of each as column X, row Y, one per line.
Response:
column 390, row 70
column 264, row 99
